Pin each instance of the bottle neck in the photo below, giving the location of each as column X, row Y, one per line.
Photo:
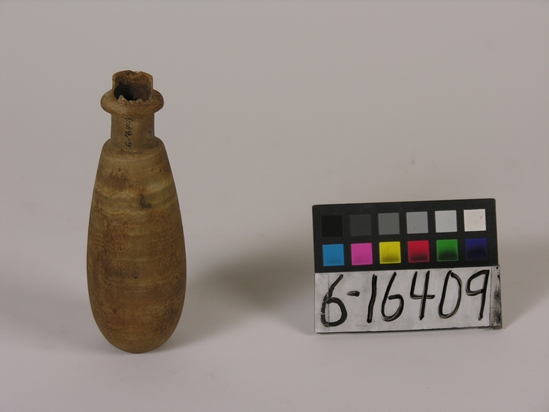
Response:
column 133, row 134
column 132, row 102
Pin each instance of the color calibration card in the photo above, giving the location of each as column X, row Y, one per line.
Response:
column 406, row 266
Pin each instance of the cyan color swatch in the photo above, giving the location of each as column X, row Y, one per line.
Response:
column 332, row 255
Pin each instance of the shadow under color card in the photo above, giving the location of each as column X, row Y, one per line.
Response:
column 406, row 266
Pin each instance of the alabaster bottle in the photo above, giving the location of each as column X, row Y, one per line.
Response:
column 136, row 253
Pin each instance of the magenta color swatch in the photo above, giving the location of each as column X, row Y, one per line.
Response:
column 418, row 251
column 361, row 254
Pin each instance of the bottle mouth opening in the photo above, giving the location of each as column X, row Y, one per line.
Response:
column 132, row 85
column 132, row 95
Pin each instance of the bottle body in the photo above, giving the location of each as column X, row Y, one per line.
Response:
column 136, row 262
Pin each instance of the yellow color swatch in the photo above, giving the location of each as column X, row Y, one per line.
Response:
column 389, row 252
